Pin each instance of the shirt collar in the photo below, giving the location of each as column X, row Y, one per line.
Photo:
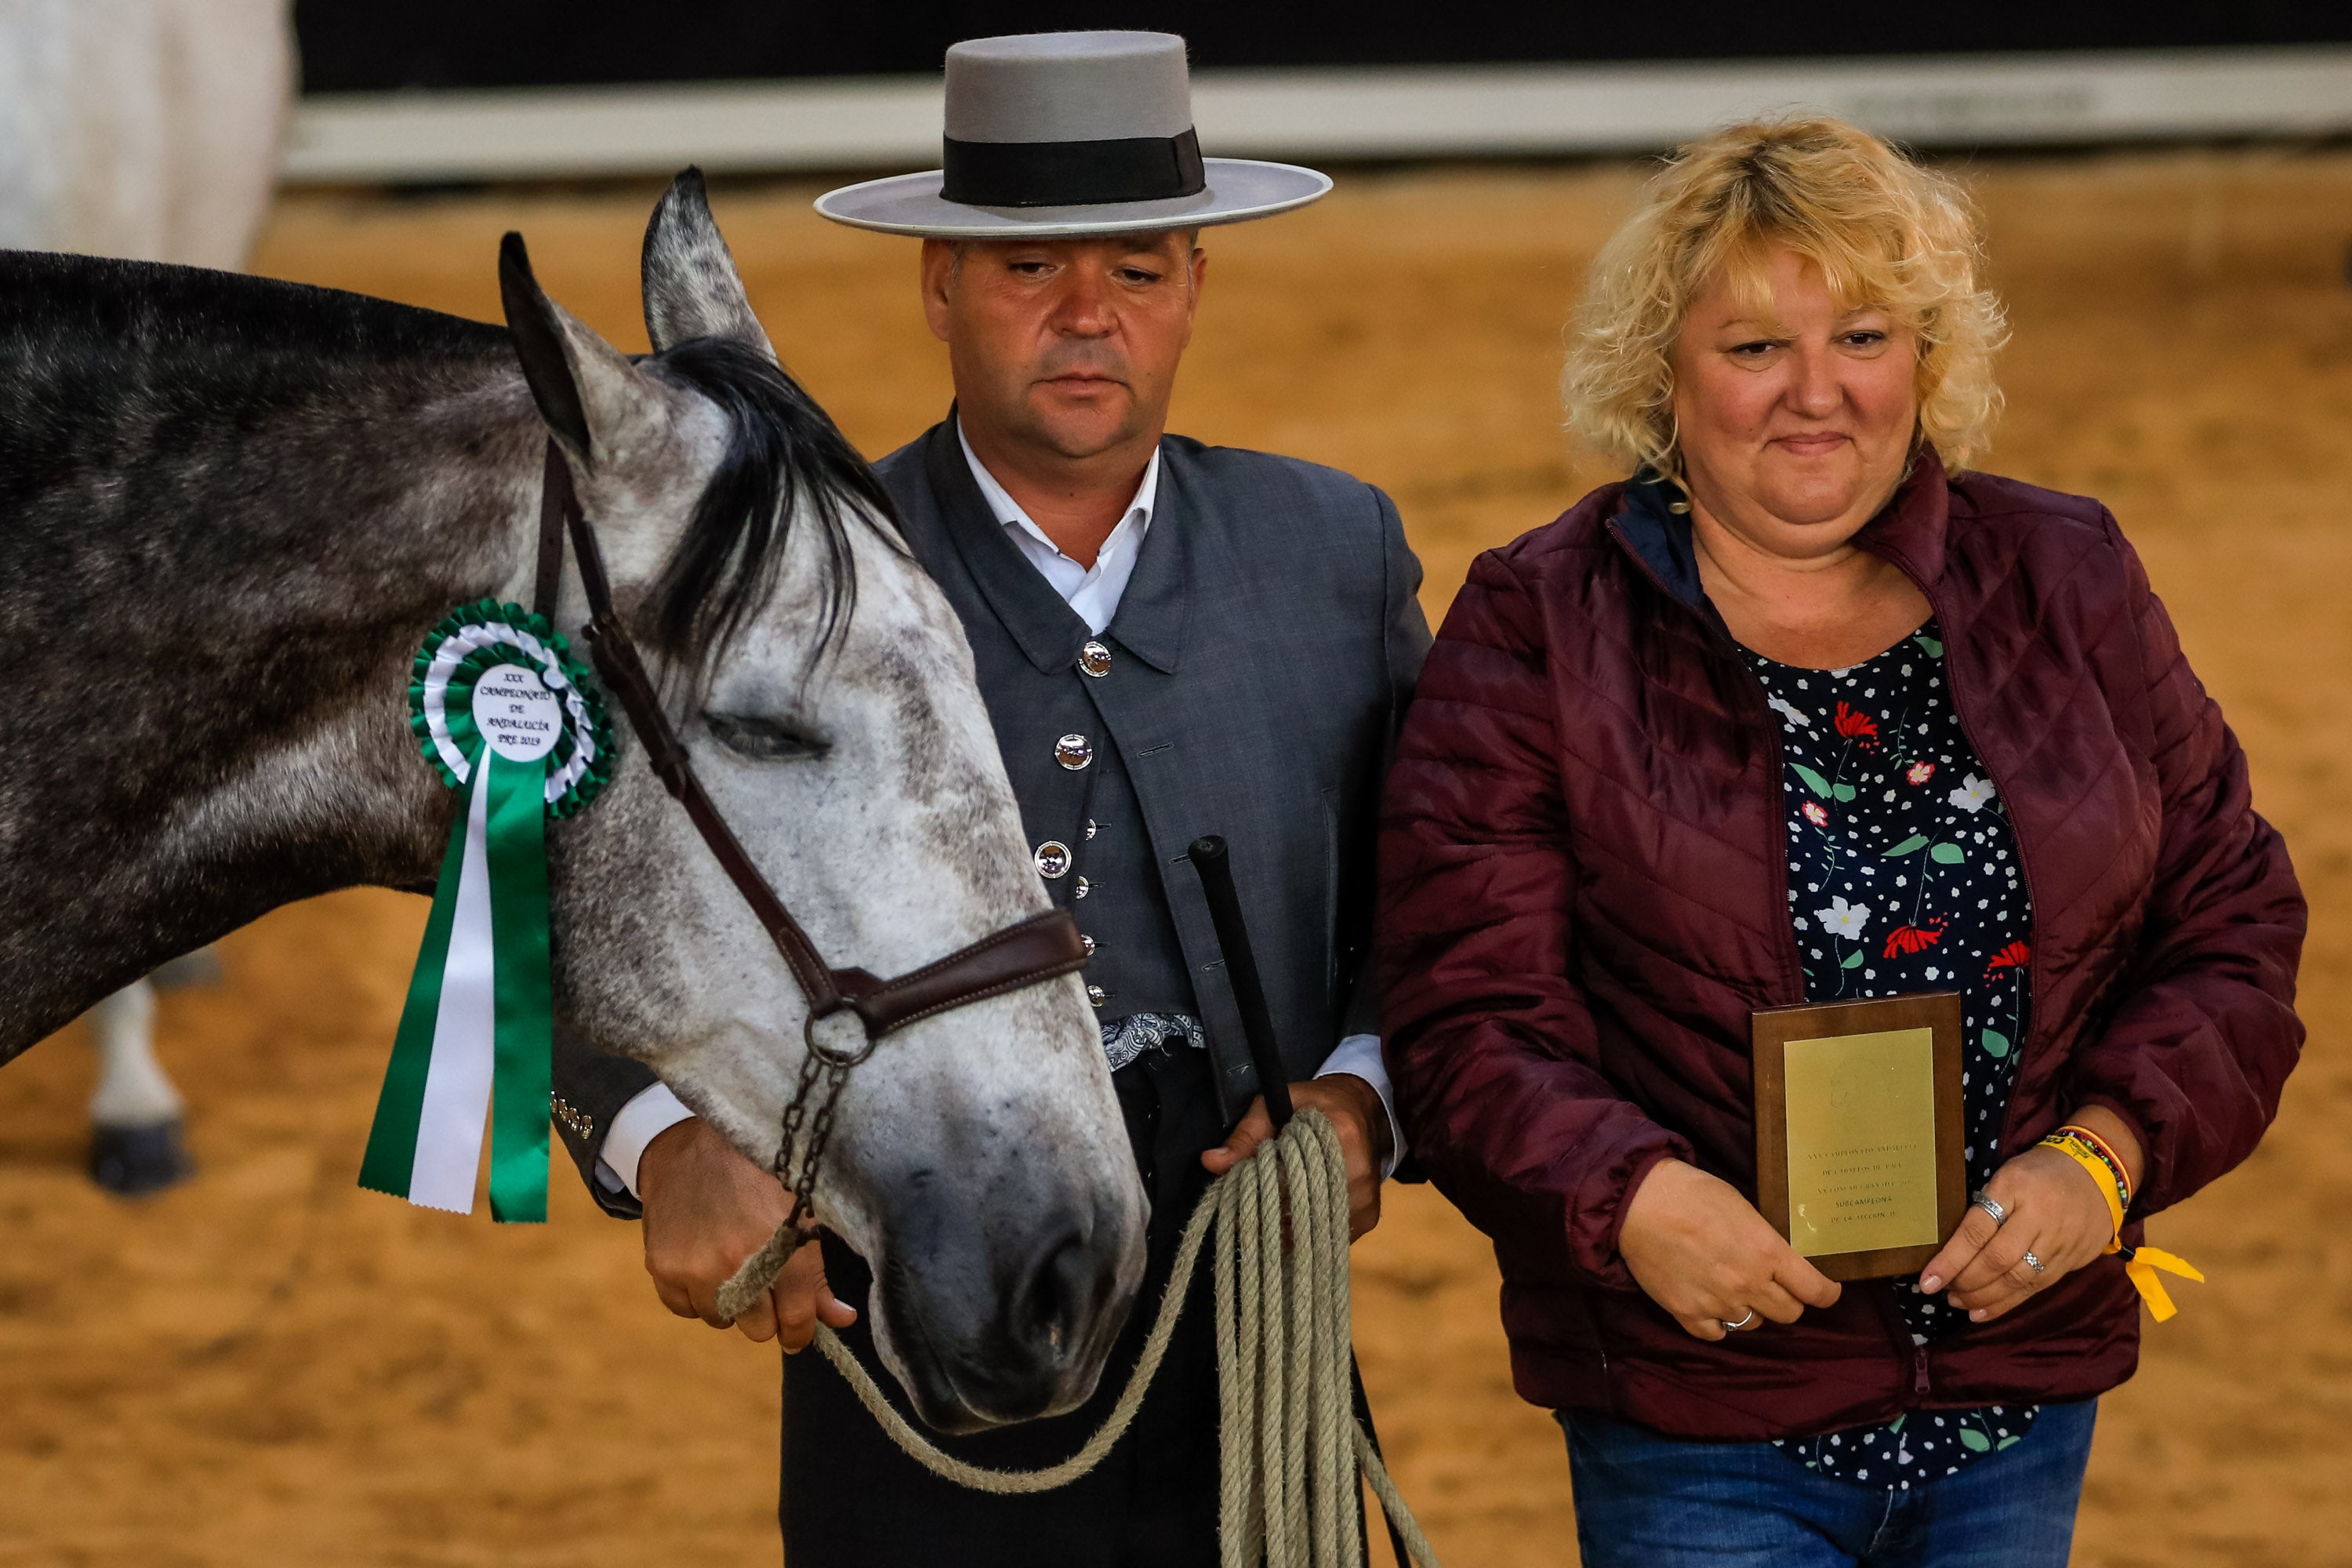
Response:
column 1009, row 512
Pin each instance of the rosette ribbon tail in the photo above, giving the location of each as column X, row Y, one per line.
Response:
column 474, row 1041
column 500, row 710
column 524, row 1043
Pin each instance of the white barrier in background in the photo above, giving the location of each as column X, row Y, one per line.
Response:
column 1389, row 112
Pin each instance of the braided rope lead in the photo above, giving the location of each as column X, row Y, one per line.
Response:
column 1286, row 1427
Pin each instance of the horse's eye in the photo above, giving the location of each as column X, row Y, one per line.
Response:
column 764, row 740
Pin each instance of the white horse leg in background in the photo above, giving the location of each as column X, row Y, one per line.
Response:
column 145, row 129
column 136, row 1144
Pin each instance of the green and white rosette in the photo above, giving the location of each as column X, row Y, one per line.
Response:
column 506, row 715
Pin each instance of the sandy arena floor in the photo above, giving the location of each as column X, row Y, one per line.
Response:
column 270, row 1366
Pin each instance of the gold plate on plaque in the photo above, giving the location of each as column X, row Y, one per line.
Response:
column 1858, row 1135
column 1861, row 1141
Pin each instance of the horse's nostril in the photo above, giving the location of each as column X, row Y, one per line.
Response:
column 1061, row 1295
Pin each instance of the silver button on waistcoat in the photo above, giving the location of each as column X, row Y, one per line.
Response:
column 1089, row 942
column 1096, row 995
column 1095, row 659
column 1053, row 858
column 1081, row 887
column 1073, row 751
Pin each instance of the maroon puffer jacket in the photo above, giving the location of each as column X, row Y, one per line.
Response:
column 1584, row 895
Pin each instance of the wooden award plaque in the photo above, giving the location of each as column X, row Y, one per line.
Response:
column 1858, row 1130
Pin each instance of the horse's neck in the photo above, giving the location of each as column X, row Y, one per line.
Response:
column 206, row 663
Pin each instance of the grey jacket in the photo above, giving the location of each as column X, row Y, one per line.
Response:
column 1260, row 659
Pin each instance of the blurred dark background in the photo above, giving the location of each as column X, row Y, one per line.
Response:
column 363, row 45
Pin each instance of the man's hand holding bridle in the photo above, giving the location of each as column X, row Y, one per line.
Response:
column 707, row 1209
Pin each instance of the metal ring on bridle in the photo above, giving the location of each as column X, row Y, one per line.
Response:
column 1990, row 1206
column 843, row 1057
column 1747, row 1320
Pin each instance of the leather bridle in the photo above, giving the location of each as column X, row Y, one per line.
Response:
column 1038, row 949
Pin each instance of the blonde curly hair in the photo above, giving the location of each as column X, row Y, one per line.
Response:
column 1885, row 232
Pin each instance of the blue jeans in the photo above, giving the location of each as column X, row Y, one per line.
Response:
column 1647, row 1502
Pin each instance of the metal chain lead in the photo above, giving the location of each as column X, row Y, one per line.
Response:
column 794, row 1109
column 803, row 1215
column 802, row 1181
column 823, row 1082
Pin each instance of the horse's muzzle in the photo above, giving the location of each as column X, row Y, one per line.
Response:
column 1009, row 1314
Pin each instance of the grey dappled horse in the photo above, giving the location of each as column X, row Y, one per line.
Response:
column 231, row 509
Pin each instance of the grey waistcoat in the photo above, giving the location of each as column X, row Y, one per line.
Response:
column 1257, row 668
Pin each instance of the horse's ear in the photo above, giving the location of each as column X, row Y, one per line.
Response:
column 592, row 398
column 692, row 289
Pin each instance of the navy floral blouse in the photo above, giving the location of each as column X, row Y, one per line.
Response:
column 1904, row 877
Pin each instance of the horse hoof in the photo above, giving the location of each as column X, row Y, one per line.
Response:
column 131, row 1161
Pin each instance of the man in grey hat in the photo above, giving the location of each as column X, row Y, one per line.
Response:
column 1172, row 640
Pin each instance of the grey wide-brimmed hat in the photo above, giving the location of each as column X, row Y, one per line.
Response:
column 1057, row 134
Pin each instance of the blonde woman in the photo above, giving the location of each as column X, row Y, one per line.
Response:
column 1803, row 711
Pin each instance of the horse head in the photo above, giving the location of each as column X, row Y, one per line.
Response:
column 255, row 498
column 826, row 696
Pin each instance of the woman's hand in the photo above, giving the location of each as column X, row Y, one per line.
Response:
column 2055, row 1211
column 1702, row 1252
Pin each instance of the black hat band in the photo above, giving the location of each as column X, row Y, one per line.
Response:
column 1073, row 173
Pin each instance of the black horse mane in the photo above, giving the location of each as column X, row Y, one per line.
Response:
column 785, row 458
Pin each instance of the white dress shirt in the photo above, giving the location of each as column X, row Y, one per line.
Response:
column 1093, row 591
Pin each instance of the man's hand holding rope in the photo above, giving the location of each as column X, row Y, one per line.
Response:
column 1358, row 1116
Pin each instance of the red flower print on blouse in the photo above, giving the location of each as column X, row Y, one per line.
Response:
column 1814, row 813
column 1904, row 941
column 2016, row 955
column 1920, row 773
column 1857, row 726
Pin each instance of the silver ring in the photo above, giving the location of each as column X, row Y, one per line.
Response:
column 1747, row 1319
column 1990, row 1206
column 2033, row 1263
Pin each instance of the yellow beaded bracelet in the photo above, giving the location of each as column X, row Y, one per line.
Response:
column 2106, row 1152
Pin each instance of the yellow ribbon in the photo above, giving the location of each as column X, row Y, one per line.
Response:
column 2140, row 1263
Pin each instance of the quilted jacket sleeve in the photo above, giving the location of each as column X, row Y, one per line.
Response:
column 1491, row 1044
column 2204, row 1037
